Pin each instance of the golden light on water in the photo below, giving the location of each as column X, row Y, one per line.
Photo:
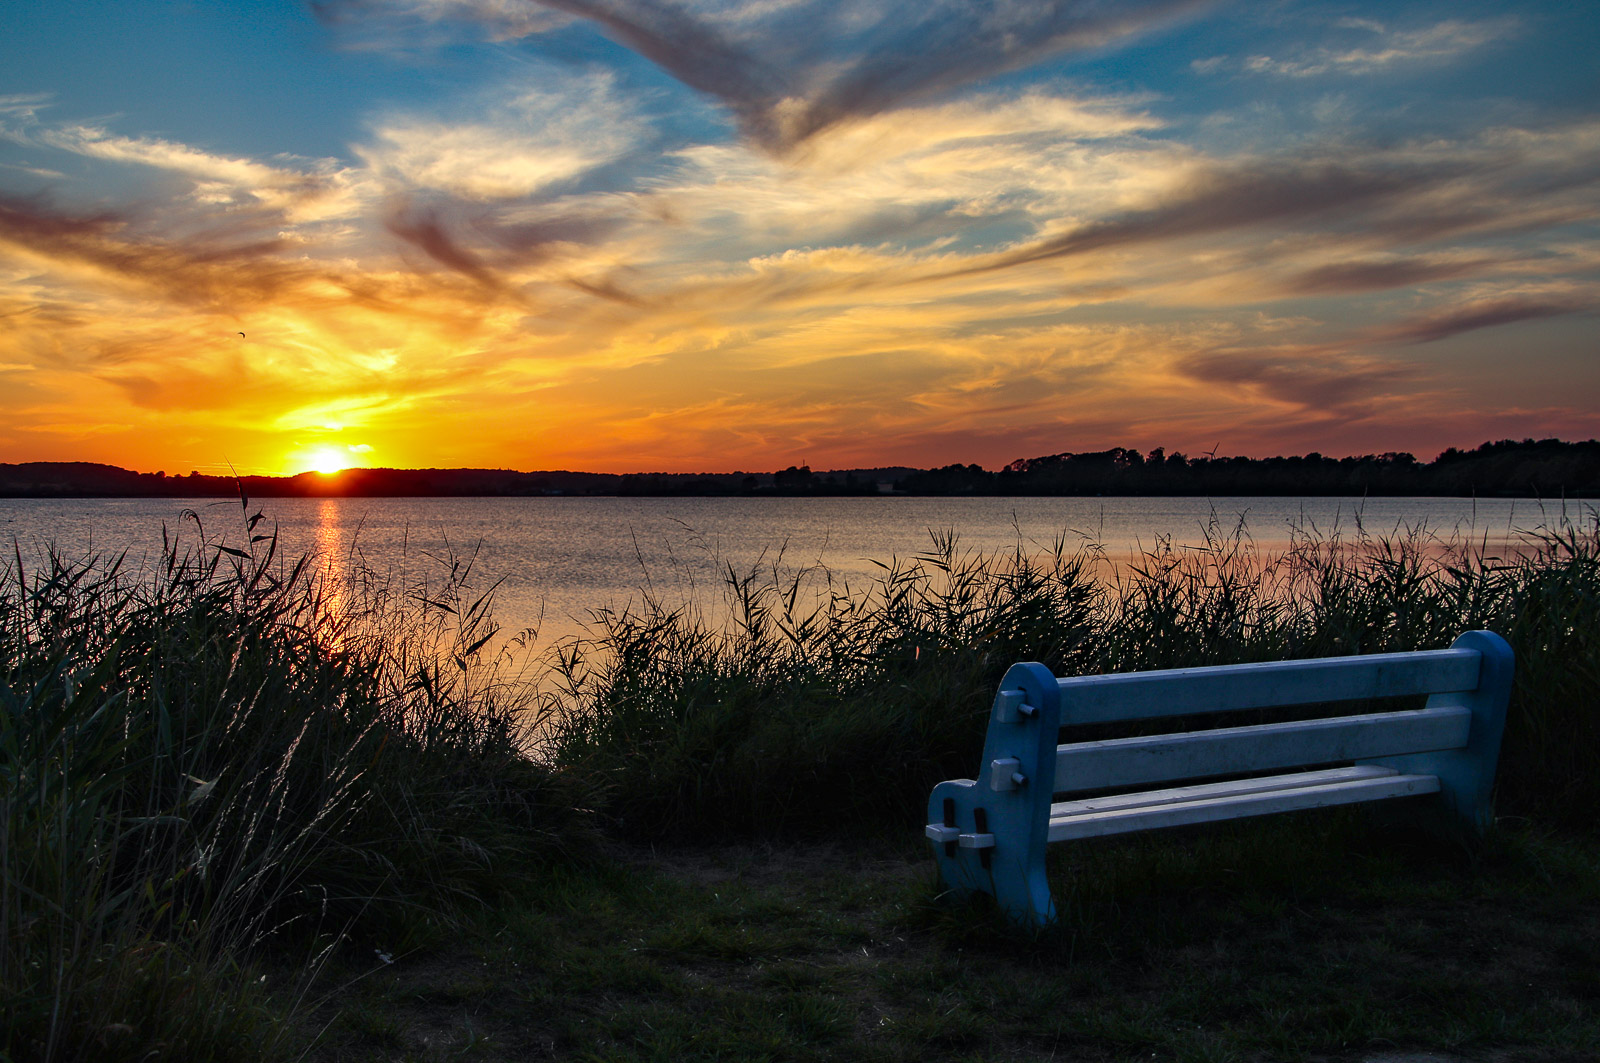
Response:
column 330, row 545
column 330, row 552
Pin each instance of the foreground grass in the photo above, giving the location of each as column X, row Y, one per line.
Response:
column 1303, row 938
column 229, row 788
column 218, row 759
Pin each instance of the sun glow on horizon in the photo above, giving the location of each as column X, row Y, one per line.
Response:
column 326, row 460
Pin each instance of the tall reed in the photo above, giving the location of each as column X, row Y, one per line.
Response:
column 227, row 751
column 857, row 696
column 805, row 714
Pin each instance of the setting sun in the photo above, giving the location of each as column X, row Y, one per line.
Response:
column 325, row 459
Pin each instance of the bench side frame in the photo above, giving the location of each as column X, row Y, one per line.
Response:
column 1465, row 801
column 1001, row 826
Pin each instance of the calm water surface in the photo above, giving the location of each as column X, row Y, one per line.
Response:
column 560, row 558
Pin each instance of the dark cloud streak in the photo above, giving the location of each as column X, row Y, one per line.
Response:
column 689, row 49
column 1306, row 378
column 424, row 230
column 783, row 93
column 1231, row 199
column 31, row 220
column 195, row 272
column 1483, row 315
column 1344, row 278
column 957, row 44
column 224, row 277
column 437, row 231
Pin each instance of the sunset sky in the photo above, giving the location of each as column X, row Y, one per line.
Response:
column 622, row 235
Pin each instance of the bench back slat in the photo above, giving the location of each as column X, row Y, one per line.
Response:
column 1225, row 750
column 1221, row 688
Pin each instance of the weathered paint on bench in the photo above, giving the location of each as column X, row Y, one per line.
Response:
column 990, row 834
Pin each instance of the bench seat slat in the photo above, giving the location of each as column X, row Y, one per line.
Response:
column 1224, row 805
column 1220, row 688
column 1128, row 762
column 1233, row 787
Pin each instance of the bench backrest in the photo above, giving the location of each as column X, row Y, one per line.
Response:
column 1220, row 688
column 1136, row 762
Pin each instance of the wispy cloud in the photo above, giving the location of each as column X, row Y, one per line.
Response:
column 1393, row 49
column 304, row 189
column 390, row 24
column 33, row 171
column 23, row 108
column 507, row 146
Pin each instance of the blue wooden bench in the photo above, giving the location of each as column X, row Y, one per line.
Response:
column 990, row 834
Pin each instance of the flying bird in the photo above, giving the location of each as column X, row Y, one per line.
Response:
column 241, row 335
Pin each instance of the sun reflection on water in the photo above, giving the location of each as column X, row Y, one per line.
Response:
column 330, row 554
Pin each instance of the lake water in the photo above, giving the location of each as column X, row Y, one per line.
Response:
column 558, row 558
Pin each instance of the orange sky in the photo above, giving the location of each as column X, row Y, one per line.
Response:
column 522, row 237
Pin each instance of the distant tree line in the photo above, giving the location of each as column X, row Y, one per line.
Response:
column 1544, row 468
column 1548, row 468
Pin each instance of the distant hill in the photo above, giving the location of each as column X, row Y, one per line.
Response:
column 1547, row 468
column 76, row 479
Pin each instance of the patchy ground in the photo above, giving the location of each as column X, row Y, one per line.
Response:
column 1306, row 938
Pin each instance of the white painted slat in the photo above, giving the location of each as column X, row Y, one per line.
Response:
column 1213, row 809
column 1123, row 762
column 1219, row 688
column 1231, row 788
